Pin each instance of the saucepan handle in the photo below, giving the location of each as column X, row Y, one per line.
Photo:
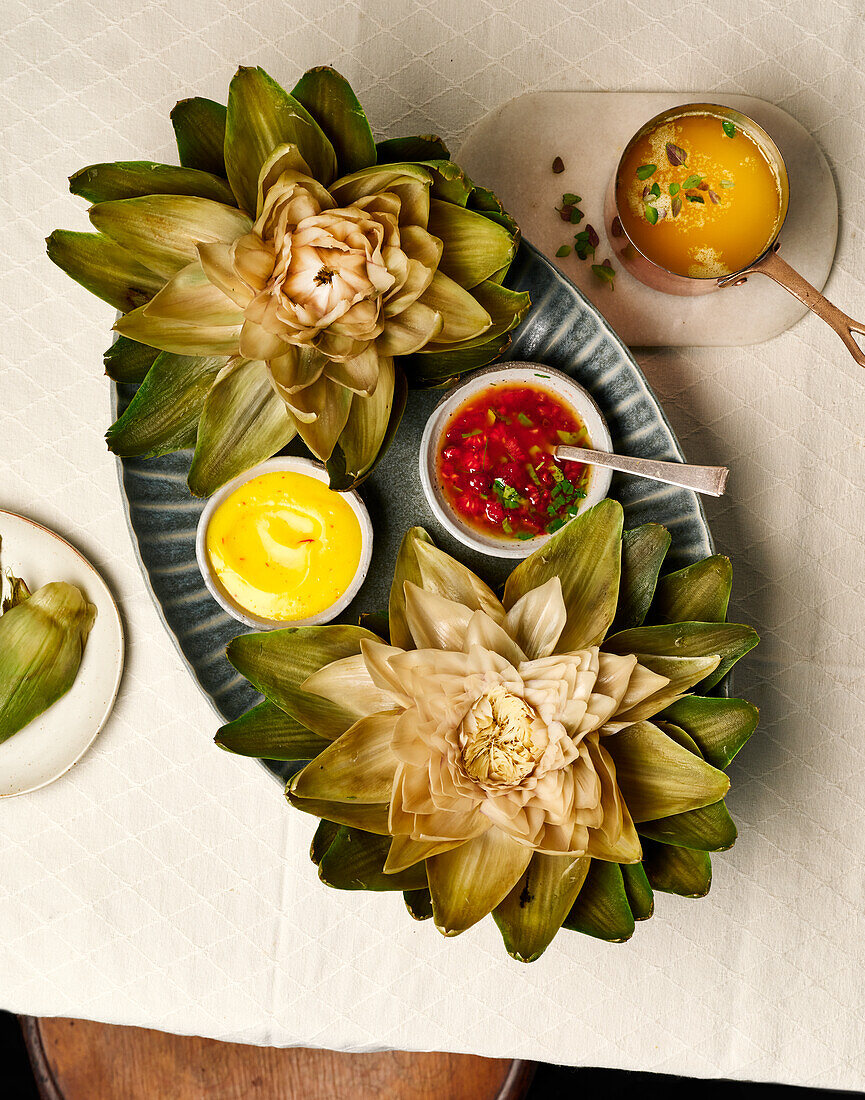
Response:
column 772, row 265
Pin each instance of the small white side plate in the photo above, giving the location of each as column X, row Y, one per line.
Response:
column 58, row 738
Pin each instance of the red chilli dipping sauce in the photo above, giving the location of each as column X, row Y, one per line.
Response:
column 496, row 466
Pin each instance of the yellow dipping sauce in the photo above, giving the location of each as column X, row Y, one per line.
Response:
column 284, row 545
column 723, row 220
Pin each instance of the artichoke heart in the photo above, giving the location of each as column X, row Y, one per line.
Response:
column 41, row 644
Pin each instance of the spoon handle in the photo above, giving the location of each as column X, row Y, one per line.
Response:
column 702, row 479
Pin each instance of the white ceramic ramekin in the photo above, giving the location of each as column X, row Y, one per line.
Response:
column 225, row 600
column 560, row 386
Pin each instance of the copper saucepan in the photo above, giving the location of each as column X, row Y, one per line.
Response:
column 767, row 263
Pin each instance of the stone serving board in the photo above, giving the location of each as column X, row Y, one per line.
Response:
column 512, row 151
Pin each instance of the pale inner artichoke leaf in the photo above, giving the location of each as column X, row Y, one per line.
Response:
column 405, row 852
column 681, row 673
column 191, row 297
column 369, row 417
column 409, row 182
column 348, row 683
column 407, row 568
column 468, row 882
column 538, row 618
column 445, row 576
column 179, row 337
column 463, row 317
column 262, row 115
column 163, row 231
column 277, row 663
column 129, row 179
column 329, row 98
column 586, row 556
column 372, row 818
column 199, row 130
column 658, row 777
column 358, row 767
column 410, row 330
column 163, row 415
column 243, row 423
column 104, row 267
column 474, row 247
column 320, row 412
column 533, row 912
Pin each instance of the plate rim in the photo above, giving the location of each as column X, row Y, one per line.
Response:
column 121, row 649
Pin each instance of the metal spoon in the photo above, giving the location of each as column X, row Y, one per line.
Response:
column 702, row 479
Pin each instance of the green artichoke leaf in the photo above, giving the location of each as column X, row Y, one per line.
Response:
column 377, row 622
column 418, row 903
column 163, row 415
column 370, row 429
column 407, row 568
column 371, row 818
column 485, row 201
column 325, row 835
column 643, row 552
column 422, row 147
column 698, row 593
column 601, row 909
column 330, row 100
column 708, row 829
column 463, row 316
column 179, row 337
column 277, row 662
column 426, row 370
column 658, row 777
column 474, row 246
column 450, row 183
column 677, row 870
column 262, row 115
column 730, row 641
column 682, row 672
column 269, row 733
column 720, row 727
column 128, row 361
column 243, row 422
column 638, row 890
column 199, row 129
column 355, row 861
column 129, row 179
column 359, row 766
column 42, row 642
column 468, row 882
column 190, row 297
column 104, row 267
column 163, row 232
column 533, row 912
column 586, row 556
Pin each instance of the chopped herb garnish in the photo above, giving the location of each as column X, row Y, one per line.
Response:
column 674, row 188
column 565, row 250
column 646, row 170
column 696, row 198
column 506, row 527
column 692, row 181
column 524, row 420
column 524, row 536
column 651, row 215
column 558, row 166
column 728, row 128
column 570, row 199
column 468, row 435
column 507, row 494
column 555, row 525
column 541, row 375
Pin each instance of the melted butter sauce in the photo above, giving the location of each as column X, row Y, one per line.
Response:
column 284, row 546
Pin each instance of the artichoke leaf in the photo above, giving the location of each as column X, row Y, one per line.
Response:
column 262, row 115
column 163, row 414
column 277, row 662
column 643, row 552
column 431, row 368
column 676, row 870
column 489, row 204
column 179, row 337
column 410, row 330
column 104, row 267
column 420, row 148
column 463, row 317
column 163, row 231
column 468, row 882
column 602, row 909
column 474, row 247
column 720, row 727
column 407, row 568
column 330, row 100
column 128, row 361
column 681, row 672
column 269, row 733
column 410, row 182
column 243, row 422
column 128, row 179
column 321, row 412
column 708, row 829
column 533, row 912
column 586, row 556
column 358, row 767
column 199, row 130
column 405, row 852
column 638, row 890
column 729, row 641
column 190, row 294
column 371, row 425
column 449, row 182
column 698, row 593
column 658, row 777
column 445, row 576
column 355, row 861
column 372, row 818
column 42, row 642
column 418, row 903
column 324, row 836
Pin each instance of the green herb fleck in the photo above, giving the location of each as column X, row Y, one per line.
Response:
column 569, row 199
column 695, row 198
column 541, row 375
column 605, row 272
column 655, row 191
column 576, row 216
column 506, row 527
column 474, row 431
column 524, row 420
column 674, row 188
column 651, row 215
column 728, row 128
column 524, row 536
column 555, row 526
column 507, row 494
column 565, row 250
column 646, row 170
column 692, row 181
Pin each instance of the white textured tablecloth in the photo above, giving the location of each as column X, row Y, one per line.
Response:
column 165, row 883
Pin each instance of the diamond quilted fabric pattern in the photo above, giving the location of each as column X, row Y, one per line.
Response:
column 163, row 883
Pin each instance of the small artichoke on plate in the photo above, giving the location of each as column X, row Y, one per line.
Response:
column 540, row 757
column 288, row 278
column 42, row 639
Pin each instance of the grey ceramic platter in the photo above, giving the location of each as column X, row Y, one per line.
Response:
column 562, row 330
